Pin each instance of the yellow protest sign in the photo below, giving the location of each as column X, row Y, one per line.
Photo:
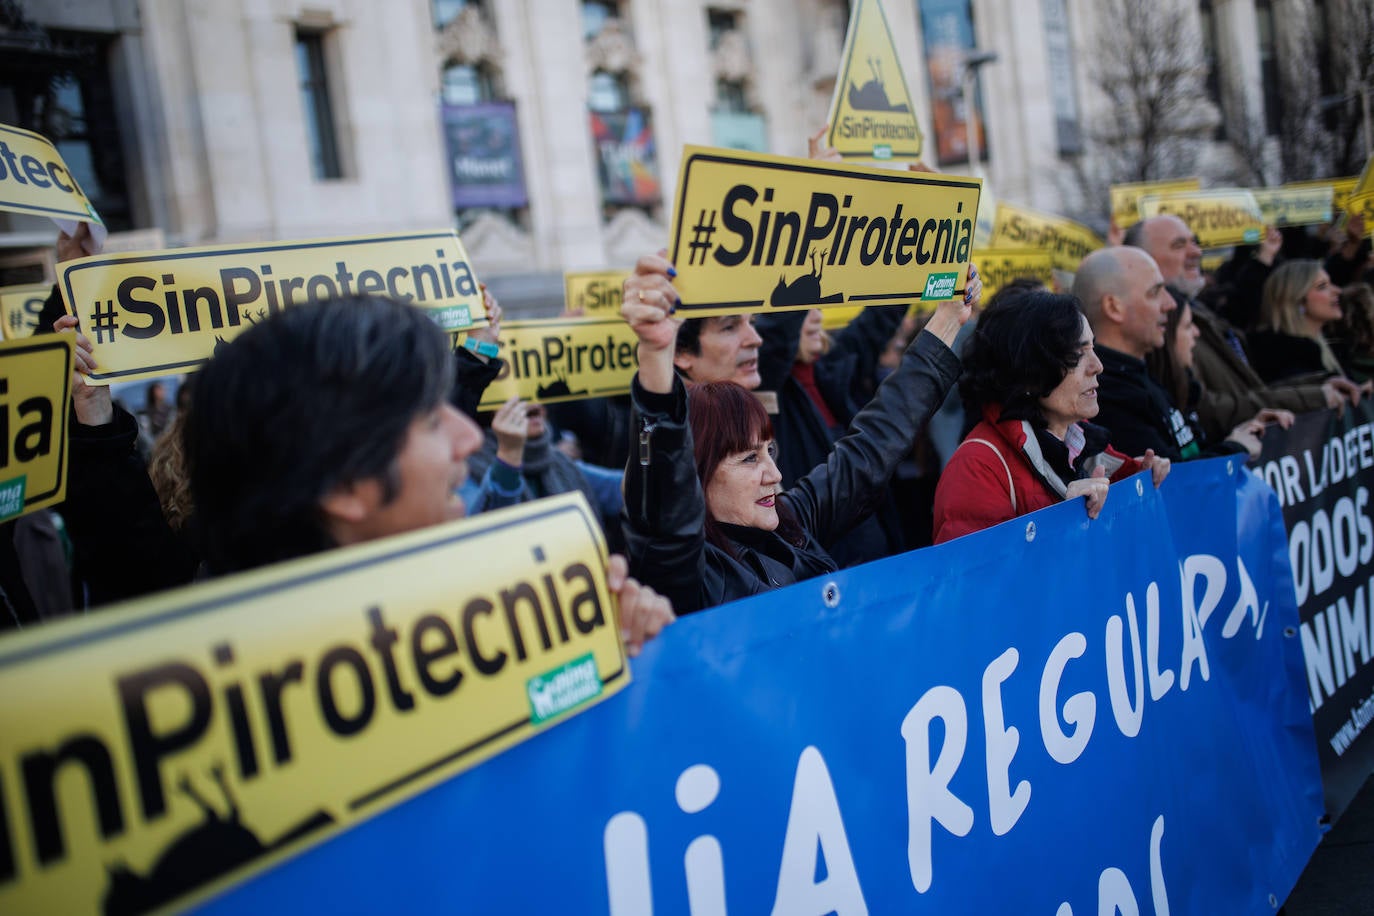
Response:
column 564, row 359
column 1309, row 206
column 871, row 115
column 20, row 307
column 1227, row 216
column 754, row 232
column 999, row 266
column 833, row 319
column 35, row 180
column 151, row 313
column 1340, row 188
column 595, row 292
column 1126, row 197
column 173, row 746
column 35, row 382
column 1067, row 241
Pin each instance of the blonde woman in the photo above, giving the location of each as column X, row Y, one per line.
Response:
column 1299, row 298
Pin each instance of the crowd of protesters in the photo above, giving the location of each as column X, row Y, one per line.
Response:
column 751, row 453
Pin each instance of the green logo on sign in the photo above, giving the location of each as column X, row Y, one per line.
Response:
column 12, row 497
column 882, row 151
column 1251, row 236
column 555, row 692
column 940, row 286
column 454, row 318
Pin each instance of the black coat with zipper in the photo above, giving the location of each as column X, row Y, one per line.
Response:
column 665, row 507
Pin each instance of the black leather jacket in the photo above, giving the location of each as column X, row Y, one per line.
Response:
column 665, row 507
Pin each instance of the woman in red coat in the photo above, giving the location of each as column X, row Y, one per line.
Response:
column 1031, row 374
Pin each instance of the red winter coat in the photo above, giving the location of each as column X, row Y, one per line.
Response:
column 973, row 491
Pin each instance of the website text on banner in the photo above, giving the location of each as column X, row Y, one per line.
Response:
column 754, row 233
column 35, row 382
column 1058, row 719
column 1323, row 472
column 152, row 313
column 170, row 747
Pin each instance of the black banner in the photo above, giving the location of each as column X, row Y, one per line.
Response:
column 1323, row 471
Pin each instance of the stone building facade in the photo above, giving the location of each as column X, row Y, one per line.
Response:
column 550, row 131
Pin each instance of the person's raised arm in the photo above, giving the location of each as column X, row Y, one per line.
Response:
column 648, row 305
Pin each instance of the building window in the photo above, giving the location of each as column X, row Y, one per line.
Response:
column 466, row 84
column 446, row 11
column 319, row 112
column 1208, row 19
column 1269, row 67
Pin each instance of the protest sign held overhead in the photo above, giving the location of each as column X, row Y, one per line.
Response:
column 1067, row 242
column 151, row 313
column 594, row 292
column 35, row 180
column 1340, row 188
column 20, row 307
column 755, row 233
column 871, row 116
column 1229, row 216
column 564, row 359
column 1126, row 197
column 1295, row 206
column 223, row 727
column 35, row 382
column 999, row 266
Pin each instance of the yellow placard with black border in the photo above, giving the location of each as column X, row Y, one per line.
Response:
column 20, row 307
column 1126, row 197
column 35, row 384
column 1340, row 188
column 1311, row 206
column 754, row 233
column 594, row 292
column 999, row 266
column 1226, row 216
column 159, row 751
column 564, row 359
column 1068, row 242
column 35, row 180
column 871, row 115
column 152, row 313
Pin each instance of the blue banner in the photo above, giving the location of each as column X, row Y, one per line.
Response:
column 1053, row 716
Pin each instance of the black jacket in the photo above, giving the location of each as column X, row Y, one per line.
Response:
column 1280, row 357
column 665, row 508
column 1137, row 411
column 844, row 377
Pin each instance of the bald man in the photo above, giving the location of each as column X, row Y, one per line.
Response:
column 1232, row 390
column 1123, row 295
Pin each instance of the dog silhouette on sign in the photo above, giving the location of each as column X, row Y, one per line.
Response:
column 806, row 289
column 873, row 95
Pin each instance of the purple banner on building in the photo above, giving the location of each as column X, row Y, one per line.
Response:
column 484, row 155
column 626, row 157
column 947, row 27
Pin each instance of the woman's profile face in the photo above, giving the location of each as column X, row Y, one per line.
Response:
column 1185, row 338
column 744, row 488
column 1322, row 301
column 1075, row 397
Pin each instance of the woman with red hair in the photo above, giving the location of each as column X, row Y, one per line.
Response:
column 706, row 521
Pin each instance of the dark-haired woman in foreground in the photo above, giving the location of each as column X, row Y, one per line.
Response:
column 705, row 519
column 1031, row 374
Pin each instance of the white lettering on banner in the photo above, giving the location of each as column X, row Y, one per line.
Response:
column 1114, row 891
column 815, row 828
